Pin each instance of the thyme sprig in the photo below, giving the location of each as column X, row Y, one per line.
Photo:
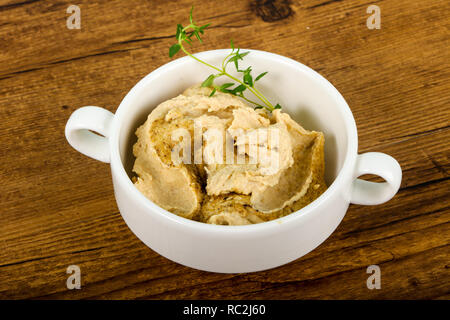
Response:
column 185, row 35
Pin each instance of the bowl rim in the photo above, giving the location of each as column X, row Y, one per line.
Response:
column 118, row 169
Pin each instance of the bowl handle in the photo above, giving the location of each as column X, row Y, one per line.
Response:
column 372, row 193
column 79, row 133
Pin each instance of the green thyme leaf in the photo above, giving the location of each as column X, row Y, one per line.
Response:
column 239, row 89
column 191, row 20
column 243, row 54
column 260, row 76
column 187, row 34
column 248, row 79
column 174, row 49
column 236, row 57
column 197, row 35
column 225, row 86
column 202, row 28
column 208, row 81
column 180, row 31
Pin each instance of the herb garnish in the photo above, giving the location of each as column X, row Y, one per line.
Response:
column 185, row 34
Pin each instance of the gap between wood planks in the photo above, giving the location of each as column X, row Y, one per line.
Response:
column 49, row 257
column 273, row 284
column 95, row 54
column 360, row 245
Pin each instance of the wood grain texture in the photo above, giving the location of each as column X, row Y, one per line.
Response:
column 58, row 207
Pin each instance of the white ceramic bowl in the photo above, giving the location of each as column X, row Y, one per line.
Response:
column 308, row 98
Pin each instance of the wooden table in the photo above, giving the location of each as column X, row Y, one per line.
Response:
column 58, row 207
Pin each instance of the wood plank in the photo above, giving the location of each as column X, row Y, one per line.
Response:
column 104, row 242
column 58, row 206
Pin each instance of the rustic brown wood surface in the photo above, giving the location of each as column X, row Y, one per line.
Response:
column 58, row 207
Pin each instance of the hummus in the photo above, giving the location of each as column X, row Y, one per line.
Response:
column 217, row 160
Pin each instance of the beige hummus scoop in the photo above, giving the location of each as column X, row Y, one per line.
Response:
column 306, row 172
column 221, row 192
